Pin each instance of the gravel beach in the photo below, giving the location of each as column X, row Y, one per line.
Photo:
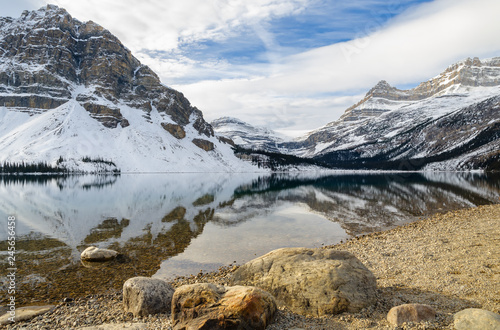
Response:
column 450, row 261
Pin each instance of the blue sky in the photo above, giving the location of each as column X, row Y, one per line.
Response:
column 291, row 65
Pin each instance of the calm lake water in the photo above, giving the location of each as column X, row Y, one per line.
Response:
column 178, row 224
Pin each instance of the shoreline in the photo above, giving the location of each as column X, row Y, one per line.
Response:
column 450, row 261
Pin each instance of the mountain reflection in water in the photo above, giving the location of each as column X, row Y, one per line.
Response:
column 177, row 224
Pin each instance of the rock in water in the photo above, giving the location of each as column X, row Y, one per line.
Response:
column 93, row 253
column 210, row 306
column 311, row 281
column 410, row 313
column 143, row 296
column 476, row 319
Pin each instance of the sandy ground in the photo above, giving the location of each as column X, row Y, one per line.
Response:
column 450, row 261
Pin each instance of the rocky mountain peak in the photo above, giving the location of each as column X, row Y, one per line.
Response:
column 49, row 58
column 456, row 79
column 380, row 89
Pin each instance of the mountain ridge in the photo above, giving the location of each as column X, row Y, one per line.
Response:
column 403, row 129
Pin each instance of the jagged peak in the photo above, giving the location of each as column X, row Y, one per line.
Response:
column 382, row 87
column 49, row 11
column 52, row 16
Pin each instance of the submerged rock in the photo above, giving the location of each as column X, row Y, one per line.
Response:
column 93, row 253
column 311, row 281
column 211, row 306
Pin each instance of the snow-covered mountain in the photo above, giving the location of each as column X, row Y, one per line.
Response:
column 71, row 94
column 246, row 135
column 449, row 122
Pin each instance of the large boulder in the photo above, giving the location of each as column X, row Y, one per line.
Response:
column 143, row 296
column 410, row 313
column 95, row 254
column 210, row 306
column 311, row 281
column 476, row 319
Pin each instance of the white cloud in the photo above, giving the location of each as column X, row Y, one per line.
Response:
column 164, row 24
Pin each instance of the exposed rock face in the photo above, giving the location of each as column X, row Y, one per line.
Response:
column 204, row 144
column 47, row 54
column 476, row 319
column 109, row 117
column 410, row 313
column 143, row 296
column 210, row 306
column 311, row 281
column 96, row 254
column 176, row 130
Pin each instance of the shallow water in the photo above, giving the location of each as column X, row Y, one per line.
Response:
column 178, row 224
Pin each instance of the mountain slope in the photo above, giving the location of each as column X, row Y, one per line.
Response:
column 448, row 122
column 72, row 90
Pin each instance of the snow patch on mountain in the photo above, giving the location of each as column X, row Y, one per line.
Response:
column 144, row 146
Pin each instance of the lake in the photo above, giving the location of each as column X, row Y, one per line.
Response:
column 167, row 225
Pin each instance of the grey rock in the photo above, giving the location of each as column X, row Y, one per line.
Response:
column 311, row 281
column 476, row 319
column 143, row 296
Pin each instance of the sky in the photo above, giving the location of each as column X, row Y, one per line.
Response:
column 290, row 65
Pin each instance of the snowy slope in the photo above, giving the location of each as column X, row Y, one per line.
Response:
column 144, row 146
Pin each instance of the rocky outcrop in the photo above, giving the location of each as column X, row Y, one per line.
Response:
column 311, row 281
column 143, row 296
column 176, row 130
column 109, row 117
column 410, row 313
column 95, row 254
column 48, row 58
column 476, row 319
column 210, row 306
column 204, row 144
